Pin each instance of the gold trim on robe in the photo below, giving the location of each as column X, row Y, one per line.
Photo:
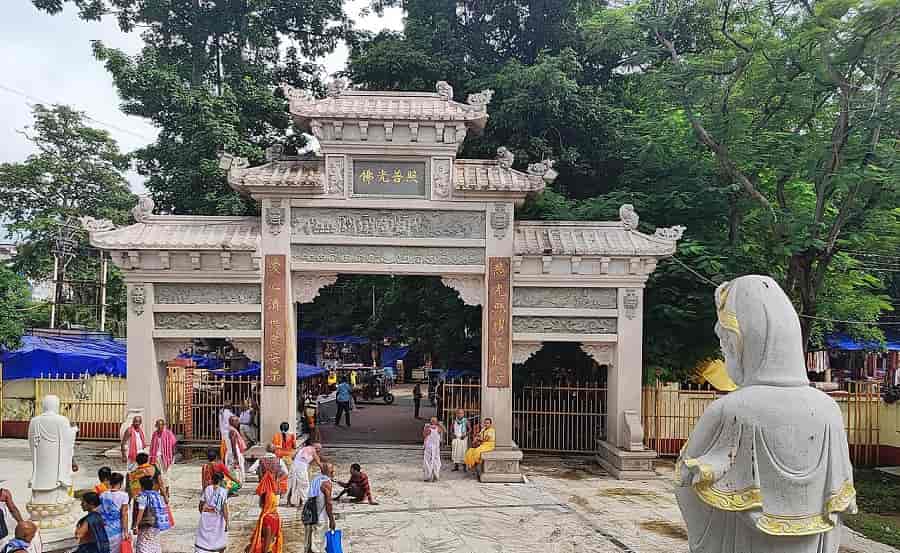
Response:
column 751, row 498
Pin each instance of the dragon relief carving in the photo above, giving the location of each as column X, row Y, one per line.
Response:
column 335, row 171
column 275, row 217
column 440, row 179
column 672, row 234
column 91, row 224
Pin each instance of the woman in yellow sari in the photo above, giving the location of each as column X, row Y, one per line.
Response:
column 485, row 441
column 267, row 536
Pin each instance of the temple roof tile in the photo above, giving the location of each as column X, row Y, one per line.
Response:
column 587, row 239
column 391, row 106
column 480, row 175
column 174, row 232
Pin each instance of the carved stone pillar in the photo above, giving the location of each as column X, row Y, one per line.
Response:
column 146, row 377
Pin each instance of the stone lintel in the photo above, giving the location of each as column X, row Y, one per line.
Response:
column 501, row 466
column 626, row 465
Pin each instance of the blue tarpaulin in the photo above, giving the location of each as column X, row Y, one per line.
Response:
column 61, row 355
column 304, row 371
column 390, row 356
column 846, row 343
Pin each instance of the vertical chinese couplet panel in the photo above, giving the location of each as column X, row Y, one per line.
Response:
column 274, row 321
column 498, row 322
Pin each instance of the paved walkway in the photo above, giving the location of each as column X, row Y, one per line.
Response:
column 376, row 422
column 566, row 506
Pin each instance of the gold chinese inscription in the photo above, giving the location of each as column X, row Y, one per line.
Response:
column 498, row 330
column 389, row 178
column 275, row 328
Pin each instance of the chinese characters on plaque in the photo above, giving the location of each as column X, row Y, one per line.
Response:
column 389, row 178
column 498, row 323
column 275, row 321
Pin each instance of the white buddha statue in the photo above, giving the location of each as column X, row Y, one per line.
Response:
column 52, row 441
column 767, row 468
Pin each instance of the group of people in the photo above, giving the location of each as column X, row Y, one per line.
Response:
column 283, row 472
column 460, row 453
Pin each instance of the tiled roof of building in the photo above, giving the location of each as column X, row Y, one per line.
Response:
column 175, row 232
column 587, row 239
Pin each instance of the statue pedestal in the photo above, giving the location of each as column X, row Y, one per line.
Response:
column 59, row 540
column 61, row 514
column 626, row 465
column 501, row 466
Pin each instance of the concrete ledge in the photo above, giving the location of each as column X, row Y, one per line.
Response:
column 501, row 466
column 626, row 465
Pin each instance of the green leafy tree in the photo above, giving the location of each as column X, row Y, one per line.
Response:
column 77, row 171
column 207, row 77
column 14, row 296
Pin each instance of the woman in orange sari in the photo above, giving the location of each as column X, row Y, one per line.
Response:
column 267, row 536
column 285, row 443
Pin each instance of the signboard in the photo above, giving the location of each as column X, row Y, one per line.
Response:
column 274, row 321
column 389, row 178
column 498, row 332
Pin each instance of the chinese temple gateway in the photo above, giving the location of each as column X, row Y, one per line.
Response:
column 387, row 195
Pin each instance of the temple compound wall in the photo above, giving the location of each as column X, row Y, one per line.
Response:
column 386, row 194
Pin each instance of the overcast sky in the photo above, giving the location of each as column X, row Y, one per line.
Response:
column 47, row 59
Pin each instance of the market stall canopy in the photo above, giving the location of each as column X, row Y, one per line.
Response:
column 846, row 343
column 41, row 356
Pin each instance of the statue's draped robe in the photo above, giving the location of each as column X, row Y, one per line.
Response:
column 767, row 468
column 52, row 443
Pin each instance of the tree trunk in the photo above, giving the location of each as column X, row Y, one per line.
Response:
column 804, row 288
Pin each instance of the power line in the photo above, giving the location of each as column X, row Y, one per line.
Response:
column 27, row 96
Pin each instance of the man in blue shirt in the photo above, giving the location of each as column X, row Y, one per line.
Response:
column 344, row 395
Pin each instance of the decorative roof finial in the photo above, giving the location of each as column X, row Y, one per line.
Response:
column 336, row 87
column 444, row 90
column 227, row 161
column 481, row 99
column 629, row 217
column 143, row 209
column 95, row 225
column 672, row 234
column 544, row 169
column 297, row 94
column 505, row 158
column 274, row 152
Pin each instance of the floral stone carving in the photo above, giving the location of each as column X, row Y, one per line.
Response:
column 208, row 321
column 247, row 294
column 500, row 219
column 440, row 179
column 564, row 298
column 335, row 171
column 387, row 223
column 564, row 325
column 470, row 288
column 305, row 287
column 275, row 216
column 389, row 255
column 523, row 351
column 138, row 299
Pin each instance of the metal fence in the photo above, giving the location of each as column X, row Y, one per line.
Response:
column 669, row 415
column 568, row 418
column 195, row 397
column 96, row 404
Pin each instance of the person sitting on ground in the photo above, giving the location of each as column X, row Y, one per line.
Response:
column 357, row 487
column 285, row 443
column 114, row 510
column 25, row 532
column 103, row 476
column 144, row 469
column 90, row 533
column 213, row 466
column 485, row 441
column 267, row 537
column 272, row 472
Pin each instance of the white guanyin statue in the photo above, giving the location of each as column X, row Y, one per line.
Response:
column 52, row 441
column 767, row 468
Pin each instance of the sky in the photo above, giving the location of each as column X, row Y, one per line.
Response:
column 48, row 59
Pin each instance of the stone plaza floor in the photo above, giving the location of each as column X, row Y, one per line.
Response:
column 567, row 506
